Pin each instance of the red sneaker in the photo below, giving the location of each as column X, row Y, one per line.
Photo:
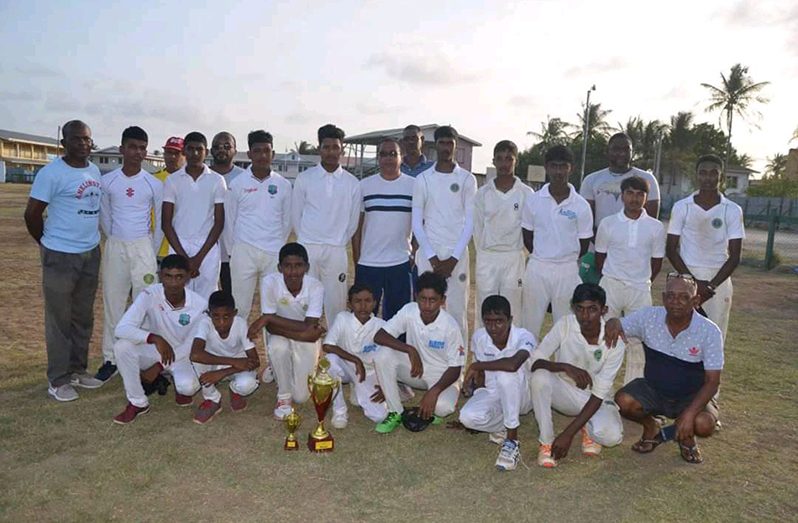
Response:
column 129, row 414
column 182, row 400
column 206, row 411
column 237, row 402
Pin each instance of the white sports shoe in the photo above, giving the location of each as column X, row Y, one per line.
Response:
column 282, row 409
column 498, row 437
column 268, row 374
column 509, row 455
column 340, row 419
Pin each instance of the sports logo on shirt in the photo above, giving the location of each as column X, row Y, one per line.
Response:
column 130, row 192
column 597, row 354
column 717, row 223
column 272, row 189
column 693, row 351
column 184, row 319
column 515, row 206
column 462, row 277
column 436, row 344
column 461, row 350
column 342, row 277
column 454, row 187
column 283, row 301
column 370, row 347
column 568, row 213
column 520, row 282
column 149, row 278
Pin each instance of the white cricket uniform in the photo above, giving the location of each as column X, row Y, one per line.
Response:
column 325, row 210
column 128, row 259
column 258, row 213
column 499, row 243
column 506, row 395
column 193, row 219
column 556, row 390
column 151, row 313
column 293, row 361
column 439, row 345
column 357, row 339
column 552, row 271
column 225, row 248
column 603, row 188
column 235, row 345
column 704, row 246
column 626, row 277
column 443, row 221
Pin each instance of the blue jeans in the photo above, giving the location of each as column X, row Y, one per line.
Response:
column 394, row 281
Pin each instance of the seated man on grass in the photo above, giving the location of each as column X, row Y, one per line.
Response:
column 684, row 360
column 431, row 360
column 502, row 372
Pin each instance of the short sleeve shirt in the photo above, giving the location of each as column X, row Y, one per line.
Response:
column 439, row 344
column 236, row 343
column 387, row 207
column 354, row 337
column 557, row 227
column 485, row 350
column 604, row 189
column 497, row 217
column 275, row 298
column 194, row 202
column 629, row 245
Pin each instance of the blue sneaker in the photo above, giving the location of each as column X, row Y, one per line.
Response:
column 106, row 372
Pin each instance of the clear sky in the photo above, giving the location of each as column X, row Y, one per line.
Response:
column 492, row 69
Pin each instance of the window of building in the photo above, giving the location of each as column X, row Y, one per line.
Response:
column 731, row 182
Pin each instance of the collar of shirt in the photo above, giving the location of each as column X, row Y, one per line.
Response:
column 285, row 293
column 723, row 199
column 546, row 194
column 259, row 180
column 622, row 216
column 183, row 172
column 337, row 173
column 454, row 171
column 421, row 161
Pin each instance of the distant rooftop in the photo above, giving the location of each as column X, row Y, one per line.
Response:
column 374, row 137
column 14, row 136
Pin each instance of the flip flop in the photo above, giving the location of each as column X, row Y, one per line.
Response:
column 691, row 454
column 644, row 446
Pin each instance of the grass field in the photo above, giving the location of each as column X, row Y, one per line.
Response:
column 69, row 462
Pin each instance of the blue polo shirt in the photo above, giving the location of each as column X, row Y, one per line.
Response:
column 420, row 167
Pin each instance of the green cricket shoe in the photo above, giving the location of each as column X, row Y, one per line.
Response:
column 389, row 424
column 437, row 420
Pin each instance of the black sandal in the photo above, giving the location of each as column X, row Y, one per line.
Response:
column 645, row 446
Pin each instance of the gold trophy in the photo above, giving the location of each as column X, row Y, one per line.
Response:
column 291, row 424
column 323, row 389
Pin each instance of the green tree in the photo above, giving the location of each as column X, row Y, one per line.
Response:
column 776, row 166
column 304, row 147
column 553, row 131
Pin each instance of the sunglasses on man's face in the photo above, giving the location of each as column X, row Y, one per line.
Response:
column 680, row 276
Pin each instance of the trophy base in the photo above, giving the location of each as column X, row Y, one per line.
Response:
column 326, row 444
column 291, row 444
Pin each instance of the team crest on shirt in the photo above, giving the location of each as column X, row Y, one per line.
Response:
column 371, row 347
column 462, row 277
column 717, row 223
column 272, row 189
column 305, row 307
column 454, row 187
column 342, row 277
column 184, row 319
column 515, row 206
column 597, row 354
column 283, row 301
column 149, row 278
column 130, row 192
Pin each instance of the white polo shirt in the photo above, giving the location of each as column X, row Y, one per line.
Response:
column 558, row 227
column 275, row 298
column 194, row 201
column 126, row 204
column 629, row 245
column 566, row 340
column 259, row 211
column 224, row 242
column 704, row 235
column 325, row 206
column 604, row 189
column 230, row 347
column 387, row 206
column 497, row 217
column 443, row 201
column 152, row 313
column 439, row 344
column 485, row 350
column 354, row 337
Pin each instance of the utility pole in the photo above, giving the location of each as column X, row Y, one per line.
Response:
column 584, row 134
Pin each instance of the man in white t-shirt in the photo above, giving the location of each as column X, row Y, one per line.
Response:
column 497, row 229
column 223, row 151
column 350, row 348
column 220, row 350
column 498, row 380
column 578, row 382
column 325, row 210
column 443, row 221
column 130, row 198
column 629, row 249
column 292, row 304
column 155, row 335
column 431, row 360
column 557, row 227
column 381, row 246
column 69, row 189
column 193, row 215
column 602, row 189
column 705, row 239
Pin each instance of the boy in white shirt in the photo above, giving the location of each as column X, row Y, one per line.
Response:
column 431, row 360
column 155, row 334
column 325, row 210
column 193, row 215
column 130, row 197
column 292, row 304
column 630, row 246
column 498, row 380
column 557, row 227
column 443, row 221
column 579, row 382
column 497, row 229
column 221, row 349
column 350, row 348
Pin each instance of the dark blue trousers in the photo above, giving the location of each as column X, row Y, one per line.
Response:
column 395, row 282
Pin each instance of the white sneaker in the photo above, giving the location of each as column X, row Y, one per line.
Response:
column 65, row 392
column 282, row 409
column 268, row 374
column 498, row 437
column 509, row 455
column 340, row 419
column 86, row 381
column 545, row 458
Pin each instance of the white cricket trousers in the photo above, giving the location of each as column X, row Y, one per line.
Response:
column 547, row 283
column 208, row 279
column 393, row 367
column 500, row 406
column 292, row 362
column 345, row 371
column 499, row 273
column 622, row 300
column 459, row 288
column 243, row 383
column 719, row 306
column 132, row 358
column 550, row 390
column 248, row 265
column 126, row 265
column 330, row 265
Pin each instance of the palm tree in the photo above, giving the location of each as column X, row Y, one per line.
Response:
column 598, row 127
column 735, row 96
column 553, row 131
column 776, row 165
column 304, row 147
column 794, row 135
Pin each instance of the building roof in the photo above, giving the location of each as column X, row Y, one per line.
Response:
column 374, row 137
column 291, row 156
column 14, row 136
column 739, row 169
column 114, row 151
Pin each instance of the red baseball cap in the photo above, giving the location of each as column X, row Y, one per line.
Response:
column 175, row 143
